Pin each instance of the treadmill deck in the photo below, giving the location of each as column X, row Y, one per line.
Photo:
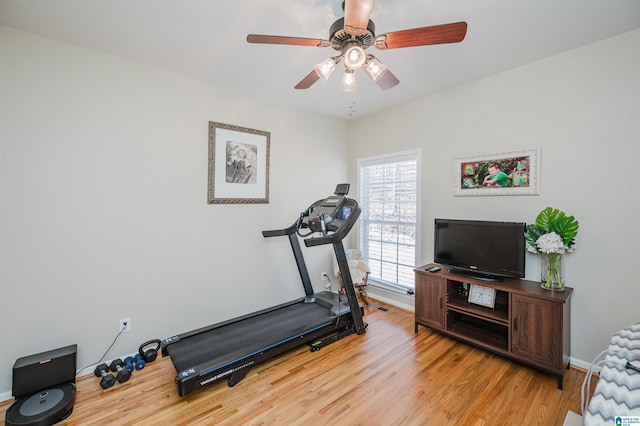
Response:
column 217, row 351
column 244, row 338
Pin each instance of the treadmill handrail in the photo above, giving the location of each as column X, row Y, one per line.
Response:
column 291, row 232
column 281, row 232
column 338, row 235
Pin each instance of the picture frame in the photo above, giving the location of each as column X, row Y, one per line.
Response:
column 238, row 165
column 516, row 173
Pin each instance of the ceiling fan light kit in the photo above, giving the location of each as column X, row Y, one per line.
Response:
column 355, row 33
column 348, row 80
column 354, row 56
column 326, row 67
column 375, row 68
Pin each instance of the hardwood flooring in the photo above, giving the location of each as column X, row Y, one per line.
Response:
column 388, row 376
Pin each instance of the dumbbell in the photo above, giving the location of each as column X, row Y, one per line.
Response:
column 139, row 361
column 134, row 363
column 108, row 379
column 123, row 373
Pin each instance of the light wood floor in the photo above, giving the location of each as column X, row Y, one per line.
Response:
column 388, row 376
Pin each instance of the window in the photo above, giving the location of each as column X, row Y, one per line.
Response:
column 388, row 188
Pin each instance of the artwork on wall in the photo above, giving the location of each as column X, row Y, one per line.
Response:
column 502, row 173
column 238, row 165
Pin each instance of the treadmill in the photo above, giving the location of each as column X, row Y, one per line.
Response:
column 227, row 350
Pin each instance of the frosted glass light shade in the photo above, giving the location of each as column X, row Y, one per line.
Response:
column 354, row 56
column 348, row 80
column 325, row 68
column 375, row 68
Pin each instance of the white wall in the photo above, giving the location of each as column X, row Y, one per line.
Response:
column 581, row 108
column 104, row 214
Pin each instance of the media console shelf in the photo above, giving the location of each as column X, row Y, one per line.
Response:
column 527, row 323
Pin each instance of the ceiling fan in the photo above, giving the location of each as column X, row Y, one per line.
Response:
column 355, row 33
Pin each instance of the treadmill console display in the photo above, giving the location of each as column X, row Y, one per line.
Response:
column 332, row 201
column 328, row 210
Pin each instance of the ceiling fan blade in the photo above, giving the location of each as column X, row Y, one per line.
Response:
column 308, row 81
column 437, row 34
column 356, row 16
column 295, row 41
column 387, row 81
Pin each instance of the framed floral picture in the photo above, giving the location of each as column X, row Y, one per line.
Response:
column 238, row 165
column 501, row 173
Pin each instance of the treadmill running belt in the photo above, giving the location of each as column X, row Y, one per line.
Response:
column 243, row 338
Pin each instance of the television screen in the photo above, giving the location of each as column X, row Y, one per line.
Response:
column 484, row 249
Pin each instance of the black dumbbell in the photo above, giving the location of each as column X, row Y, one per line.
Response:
column 108, row 379
column 123, row 373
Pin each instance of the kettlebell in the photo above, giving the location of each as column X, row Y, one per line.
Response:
column 150, row 354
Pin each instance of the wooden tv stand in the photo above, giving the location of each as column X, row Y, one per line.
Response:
column 527, row 324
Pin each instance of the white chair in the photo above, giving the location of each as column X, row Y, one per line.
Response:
column 359, row 274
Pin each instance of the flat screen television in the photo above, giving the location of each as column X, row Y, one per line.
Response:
column 483, row 249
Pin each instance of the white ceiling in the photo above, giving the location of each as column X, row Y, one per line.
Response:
column 206, row 39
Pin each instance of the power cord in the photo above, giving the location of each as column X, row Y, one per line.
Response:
column 337, row 293
column 586, row 384
column 105, row 353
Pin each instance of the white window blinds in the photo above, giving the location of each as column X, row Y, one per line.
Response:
column 388, row 225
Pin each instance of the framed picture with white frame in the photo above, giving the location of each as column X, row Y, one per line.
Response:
column 501, row 173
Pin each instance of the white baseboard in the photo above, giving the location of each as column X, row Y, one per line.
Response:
column 403, row 301
column 583, row 365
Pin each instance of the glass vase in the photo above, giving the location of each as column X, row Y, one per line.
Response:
column 552, row 271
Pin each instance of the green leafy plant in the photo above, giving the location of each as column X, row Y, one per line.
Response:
column 553, row 234
column 539, row 236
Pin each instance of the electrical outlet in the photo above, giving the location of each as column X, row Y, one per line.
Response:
column 125, row 325
column 324, row 277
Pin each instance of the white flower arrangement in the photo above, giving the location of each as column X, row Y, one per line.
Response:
column 549, row 243
column 553, row 232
